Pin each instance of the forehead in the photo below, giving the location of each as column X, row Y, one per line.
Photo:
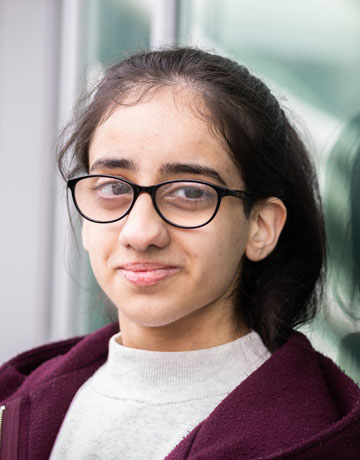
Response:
column 163, row 130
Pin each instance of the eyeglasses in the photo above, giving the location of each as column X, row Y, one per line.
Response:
column 183, row 203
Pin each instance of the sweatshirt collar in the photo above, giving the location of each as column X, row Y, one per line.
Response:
column 169, row 377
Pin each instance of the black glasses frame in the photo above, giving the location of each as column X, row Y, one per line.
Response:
column 152, row 189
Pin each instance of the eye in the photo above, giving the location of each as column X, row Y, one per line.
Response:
column 189, row 192
column 189, row 196
column 112, row 188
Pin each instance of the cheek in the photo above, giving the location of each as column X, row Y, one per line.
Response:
column 216, row 257
column 231, row 240
column 228, row 257
column 99, row 243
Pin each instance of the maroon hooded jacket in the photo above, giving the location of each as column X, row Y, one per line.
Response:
column 297, row 405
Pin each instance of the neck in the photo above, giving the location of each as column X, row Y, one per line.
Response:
column 196, row 331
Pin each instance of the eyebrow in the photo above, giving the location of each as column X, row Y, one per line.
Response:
column 113, row 163
column 166, row 169
column 179, row 168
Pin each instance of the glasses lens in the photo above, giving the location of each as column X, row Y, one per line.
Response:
column 103, row 198
column 187, row 204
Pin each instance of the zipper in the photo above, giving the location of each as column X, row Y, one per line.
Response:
column 2, row 409
column 10, row 430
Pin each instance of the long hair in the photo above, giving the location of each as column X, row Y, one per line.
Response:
column 283, row 290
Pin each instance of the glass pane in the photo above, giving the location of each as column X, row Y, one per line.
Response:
column 114, row 28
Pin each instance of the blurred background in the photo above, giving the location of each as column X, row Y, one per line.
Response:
column 52, row 51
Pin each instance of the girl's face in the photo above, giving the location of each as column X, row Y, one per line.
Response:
column 172, row 286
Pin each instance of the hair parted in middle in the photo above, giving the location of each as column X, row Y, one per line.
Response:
column 282, row 291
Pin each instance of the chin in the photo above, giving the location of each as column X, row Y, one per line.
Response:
column 152, row 315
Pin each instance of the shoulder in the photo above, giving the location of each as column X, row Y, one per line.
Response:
column 54, row 359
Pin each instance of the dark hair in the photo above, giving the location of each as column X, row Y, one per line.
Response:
column 281, row 291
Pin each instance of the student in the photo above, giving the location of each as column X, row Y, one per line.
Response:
column 202, row 220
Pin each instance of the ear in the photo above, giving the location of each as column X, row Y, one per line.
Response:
column 266, row 223
column 84, row 235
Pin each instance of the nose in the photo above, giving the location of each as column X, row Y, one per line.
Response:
column 143, row 227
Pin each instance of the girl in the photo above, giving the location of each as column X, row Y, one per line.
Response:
column 201, row 217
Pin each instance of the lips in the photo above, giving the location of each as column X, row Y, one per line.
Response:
column 147, row 274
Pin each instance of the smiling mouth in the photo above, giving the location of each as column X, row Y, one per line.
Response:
column 147, row 274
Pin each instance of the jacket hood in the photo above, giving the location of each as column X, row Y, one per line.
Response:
column 39, row 365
